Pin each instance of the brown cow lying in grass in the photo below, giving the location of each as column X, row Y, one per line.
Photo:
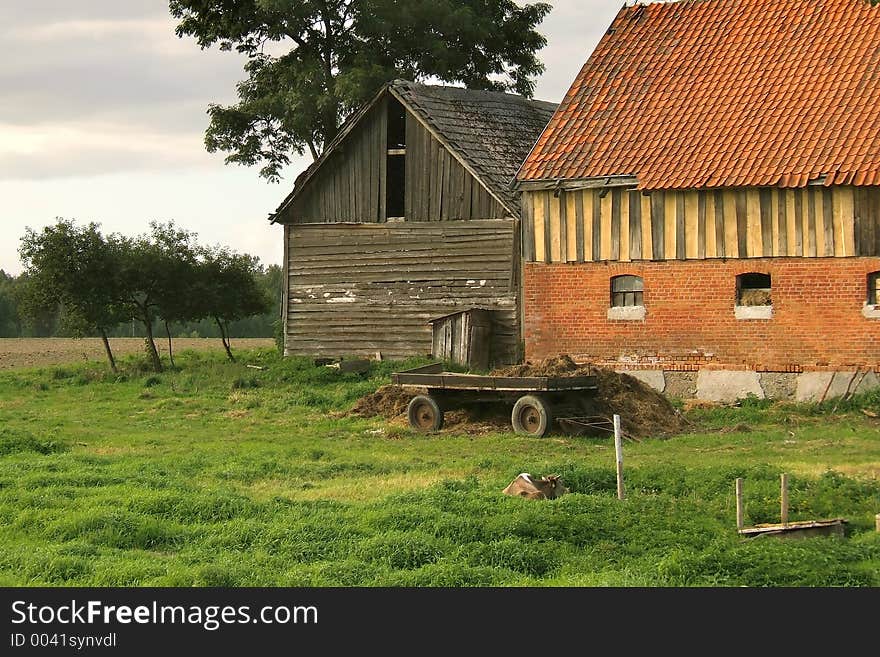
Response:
column 545, row 488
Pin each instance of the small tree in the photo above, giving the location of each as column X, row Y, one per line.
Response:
column 228, row 290
column 148, row 266
column 178, row 251
column 40, row 316
column 75, row 268
column 273, row 284
column 10, row 321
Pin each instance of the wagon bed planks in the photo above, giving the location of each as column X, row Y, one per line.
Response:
column 479, row 382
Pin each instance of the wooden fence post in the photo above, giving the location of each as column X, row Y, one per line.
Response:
column 739, row 503
column 784, row 498
column 618, row 451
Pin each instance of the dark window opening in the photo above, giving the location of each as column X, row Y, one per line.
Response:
column 753, row 289
column 873, row 283
column 396, row 125
column 627, row 291
column 395, row 185
column 395, row 176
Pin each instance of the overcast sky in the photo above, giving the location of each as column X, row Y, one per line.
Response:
column 102, row 118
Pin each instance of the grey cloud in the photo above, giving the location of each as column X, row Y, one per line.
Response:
column 114, row 70
column 42, row 12
column 91, row 161
column 78, row 77
column 40, row 107
column 106, row 88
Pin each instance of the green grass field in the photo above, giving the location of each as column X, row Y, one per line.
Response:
column 222, row 475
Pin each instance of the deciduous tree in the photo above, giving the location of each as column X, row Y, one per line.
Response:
column 73, row 267
column 175, row 302
column 155, row 269
column 10, row 321
column 228, row 289
column 312, row 62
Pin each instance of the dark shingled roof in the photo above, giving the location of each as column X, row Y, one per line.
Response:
column 491, row 131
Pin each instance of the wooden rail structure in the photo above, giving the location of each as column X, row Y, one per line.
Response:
column 796, row 529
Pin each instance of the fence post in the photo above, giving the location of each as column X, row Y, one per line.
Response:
column 618, row 451
column 739, row 503
column 784, row 498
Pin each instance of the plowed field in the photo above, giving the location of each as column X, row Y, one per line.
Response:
column 39, row 352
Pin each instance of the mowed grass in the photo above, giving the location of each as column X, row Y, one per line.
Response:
column 219, row 474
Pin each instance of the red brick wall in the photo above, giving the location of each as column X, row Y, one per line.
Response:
column 817, row 318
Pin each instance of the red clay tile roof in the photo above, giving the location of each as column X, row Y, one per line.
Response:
column 724, row 93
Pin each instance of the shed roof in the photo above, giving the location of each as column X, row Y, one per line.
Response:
column 490, row 132
column 724, row 93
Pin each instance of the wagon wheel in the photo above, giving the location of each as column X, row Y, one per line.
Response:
column 531, row 416
column 424, row 414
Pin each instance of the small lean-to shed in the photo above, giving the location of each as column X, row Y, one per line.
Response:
column 463, row 337
column 408, row 216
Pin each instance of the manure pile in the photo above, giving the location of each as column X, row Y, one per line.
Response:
column 643, row 411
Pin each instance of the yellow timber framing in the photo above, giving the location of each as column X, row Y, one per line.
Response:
column 622, row 224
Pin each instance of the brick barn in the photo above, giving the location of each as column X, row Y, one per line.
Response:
column 703, row 209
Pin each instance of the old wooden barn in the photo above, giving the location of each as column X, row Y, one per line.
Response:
column 408, row 217
column 704, row 207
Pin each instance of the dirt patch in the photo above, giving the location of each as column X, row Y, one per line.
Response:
column 704, row 404
column 387, row 401
column 477, row 419
column 390, row 402
column 555, row 366
column 643, row 411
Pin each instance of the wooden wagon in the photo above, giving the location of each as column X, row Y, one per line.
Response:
column 535, row 399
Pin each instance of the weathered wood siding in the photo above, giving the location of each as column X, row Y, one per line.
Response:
column 349, row 186
column 359, row 289
column 586, row 226
column 464, row 338
column 438, row 187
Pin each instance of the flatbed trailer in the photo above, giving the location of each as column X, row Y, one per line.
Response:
column 534, row 398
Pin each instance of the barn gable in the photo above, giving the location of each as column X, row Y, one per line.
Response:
column 423, row 153
column 409, row 216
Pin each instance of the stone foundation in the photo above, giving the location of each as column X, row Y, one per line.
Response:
column 730, row 385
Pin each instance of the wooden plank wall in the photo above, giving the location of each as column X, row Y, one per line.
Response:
column 359, row 289
column 438, row 187
column 349, row 186
column 587, row 225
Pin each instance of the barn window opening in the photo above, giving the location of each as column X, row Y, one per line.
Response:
column 396, row 125
column 753, row 300
column 753, row 289
column 395, row 182
column 627, row 291
column 873, row 283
